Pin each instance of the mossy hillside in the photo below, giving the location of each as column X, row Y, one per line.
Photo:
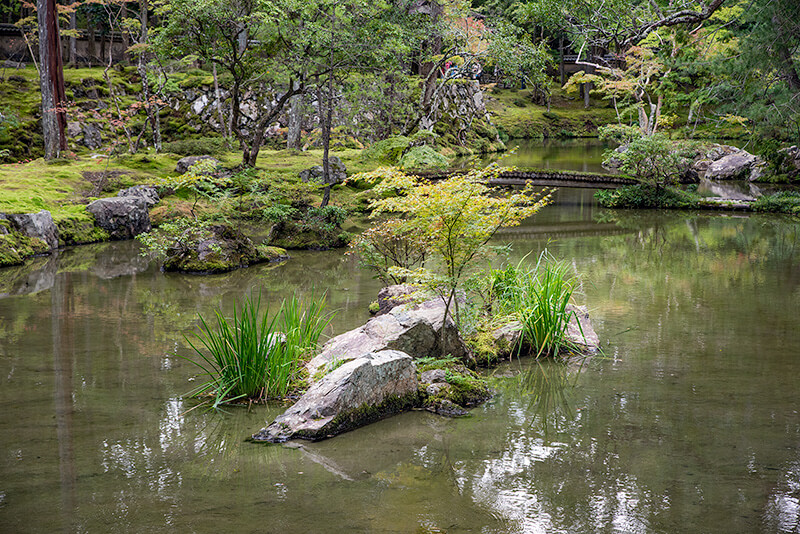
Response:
column 516, row 116
column 64, row 186
column 20, row 103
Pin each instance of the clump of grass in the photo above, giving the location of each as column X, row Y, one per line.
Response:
column 538, row 297
column 252, row 356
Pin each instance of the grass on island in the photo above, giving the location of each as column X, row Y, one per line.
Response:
column 254, row 355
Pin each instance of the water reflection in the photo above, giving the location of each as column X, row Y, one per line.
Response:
column 690, row 424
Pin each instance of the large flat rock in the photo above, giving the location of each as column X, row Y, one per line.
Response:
column 368, row 388
column 412, row 328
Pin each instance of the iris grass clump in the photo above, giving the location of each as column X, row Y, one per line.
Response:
column 539, row 298
column 254, row 355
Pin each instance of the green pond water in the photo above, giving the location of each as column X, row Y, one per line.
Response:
column 689, row 423
column 563, row 154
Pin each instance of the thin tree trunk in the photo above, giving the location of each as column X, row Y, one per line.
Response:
column 91, row 49
column 51, row 80
column 223, row 124
column 326, row 144
column 149, row 103
column 295, row 119
column 73, row 41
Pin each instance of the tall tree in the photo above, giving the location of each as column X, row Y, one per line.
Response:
column 51, row 80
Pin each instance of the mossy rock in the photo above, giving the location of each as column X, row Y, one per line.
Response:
column 270, row 254
column 289, row 235
column 78, row 231
column 15, row 248
column 216, row 249
column 447, row 384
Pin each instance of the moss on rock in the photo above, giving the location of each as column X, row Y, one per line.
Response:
column 76, row 230
column 15, row 248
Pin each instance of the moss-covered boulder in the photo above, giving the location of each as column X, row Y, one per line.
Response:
column 311, row 229
column 266, row 253
column 15, row 248
column 210, row 249
column 448, row 388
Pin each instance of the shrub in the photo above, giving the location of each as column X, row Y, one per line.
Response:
column 645, row 196
column 618, row 133
column 423, row 157
column 654, row 160
column 255, row 357
column 388, row 151
column 782, row 202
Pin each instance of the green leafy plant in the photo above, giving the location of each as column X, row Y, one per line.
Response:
column 538, row 297
column 644, row 196
column 654, row 160
column 183, row 234
column 254, row 356
column 200, row 180
column 454, row 219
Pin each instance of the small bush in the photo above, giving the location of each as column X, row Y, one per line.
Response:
column 387, row 151
column 783, row 202
column 645, row 196
column 423, row 157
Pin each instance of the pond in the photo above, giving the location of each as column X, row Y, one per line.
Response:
column 690, row 422
column 585, row 154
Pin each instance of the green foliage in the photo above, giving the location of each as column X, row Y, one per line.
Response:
column 654, row 160
column 276, row 213
column 388, row 249
column 454, row 219
column 423, row 157
column 182, row 234
column 201, row 180
column 252, row 356
column 312, row 228
column 538, row 297
column 782, row 202
column 388, row 151
column 646, row 196
column 618, row 133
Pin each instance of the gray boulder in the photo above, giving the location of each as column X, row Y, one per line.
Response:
column 147, row 192
column 39, row 225
column 338, row 172
column 366, row 389
column 412, row 328
column 791, row 160
column 393, row 296
column 580, row 332
column 184, row 163
column 92, row 138
column 733, row 166
column 121, row 217
column 717, row 152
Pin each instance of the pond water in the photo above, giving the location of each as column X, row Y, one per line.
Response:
column 584, row 154
column 689, row 423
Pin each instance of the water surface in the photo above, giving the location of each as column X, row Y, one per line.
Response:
column 689, row 423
